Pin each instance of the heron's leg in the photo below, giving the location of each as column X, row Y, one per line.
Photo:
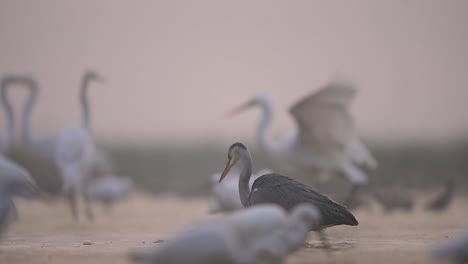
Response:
column 325, row 243
column 71, row 197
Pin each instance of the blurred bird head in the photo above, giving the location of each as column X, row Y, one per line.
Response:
column 259, row 100
column 91, row 75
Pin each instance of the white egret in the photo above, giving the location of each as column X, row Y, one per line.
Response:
column 326, row 139
column 265, row 232
column 76, row 152
column 14, row 180
column 108, row 189
column 225, row 195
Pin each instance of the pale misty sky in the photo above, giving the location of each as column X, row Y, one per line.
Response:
column 174, row 68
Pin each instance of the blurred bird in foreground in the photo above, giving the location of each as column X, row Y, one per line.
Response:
column 456, row 249
column 225, row 195
column 326, row 138
column 261, row 233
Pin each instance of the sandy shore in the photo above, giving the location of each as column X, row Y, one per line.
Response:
column 45, row 233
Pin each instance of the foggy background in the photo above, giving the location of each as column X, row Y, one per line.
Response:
column 175, row 68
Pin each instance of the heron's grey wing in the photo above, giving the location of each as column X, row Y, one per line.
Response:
column 323, row 118
column 284, row 191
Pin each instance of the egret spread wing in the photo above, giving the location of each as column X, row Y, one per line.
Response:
column 323, row 118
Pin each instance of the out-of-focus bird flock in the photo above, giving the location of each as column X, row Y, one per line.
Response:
column 268, row 213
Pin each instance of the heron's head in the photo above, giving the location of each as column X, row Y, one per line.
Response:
column 259, row 100
column 307, row 214
column 92, row 75
column 234, row 154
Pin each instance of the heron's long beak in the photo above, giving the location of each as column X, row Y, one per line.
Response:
column 229, row 165
column 240, row 109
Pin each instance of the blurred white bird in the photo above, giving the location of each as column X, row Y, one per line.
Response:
column 259, row 233
column 456, row 249
column 225, row 194
column 14, row 181
column 36, row 154
column 326, row 139
column 76, row 152
column 108, row 189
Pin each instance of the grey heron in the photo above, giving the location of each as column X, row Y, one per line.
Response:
column 326, row 139
column 76, row 152
column 456, row 249
column 264, row 232
column 225, row 195
column 283, row 191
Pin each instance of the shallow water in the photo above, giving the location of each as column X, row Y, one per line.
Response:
column 45, row 233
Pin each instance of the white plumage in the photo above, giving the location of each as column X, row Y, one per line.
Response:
column 108, row 189
column 326, row 138
column 76, row 152
column 259, row 233
column 225, row 194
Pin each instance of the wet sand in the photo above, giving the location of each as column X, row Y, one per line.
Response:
column 45, row 233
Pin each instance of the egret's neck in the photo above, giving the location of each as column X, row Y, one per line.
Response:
column 10, row 118
column 86, row 114
column 265, row 141
column 27, row 112
column 244, row 178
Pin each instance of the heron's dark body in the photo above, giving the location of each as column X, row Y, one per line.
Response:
column 286, row 192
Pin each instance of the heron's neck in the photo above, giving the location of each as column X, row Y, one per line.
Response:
column 27, row 112
column 265, row 141
column 10, row 118
column 86, row 113
column 244, row 178
column 297, row 234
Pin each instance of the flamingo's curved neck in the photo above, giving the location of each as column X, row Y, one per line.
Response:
column 265, row 141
